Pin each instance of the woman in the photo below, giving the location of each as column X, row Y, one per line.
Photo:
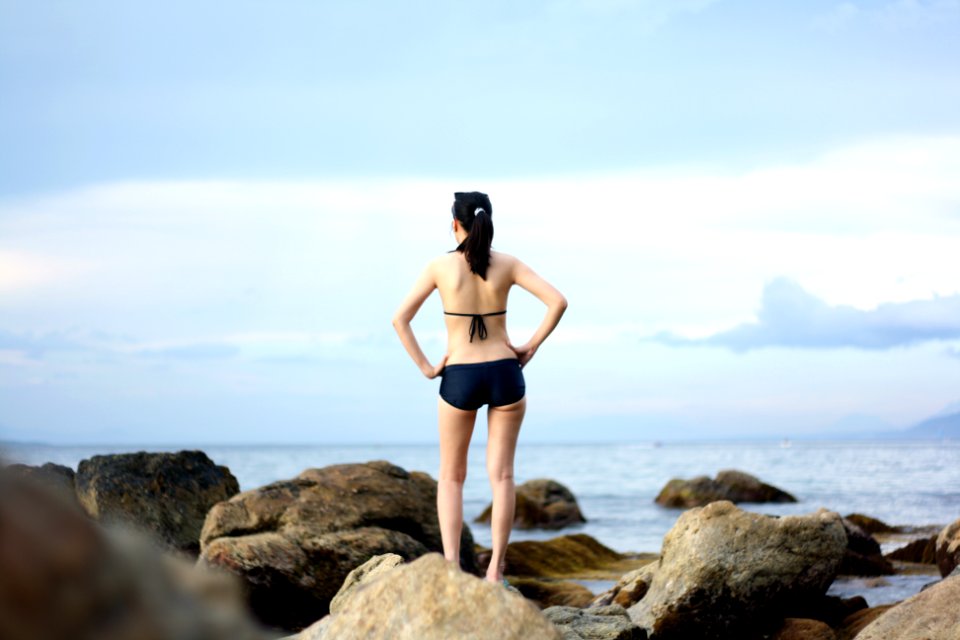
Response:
column 481, row 365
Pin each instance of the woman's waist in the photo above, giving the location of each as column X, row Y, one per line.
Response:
column 472, row 352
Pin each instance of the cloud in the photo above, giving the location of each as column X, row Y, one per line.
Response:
column 893, row 15
column 790, row 316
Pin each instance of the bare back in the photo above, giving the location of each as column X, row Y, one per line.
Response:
column 463, row 291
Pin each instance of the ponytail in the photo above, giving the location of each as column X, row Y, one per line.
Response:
column 474, row 210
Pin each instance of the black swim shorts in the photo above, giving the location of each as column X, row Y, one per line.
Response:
column 471, row 385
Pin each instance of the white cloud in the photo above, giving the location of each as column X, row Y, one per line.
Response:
column 789, row 316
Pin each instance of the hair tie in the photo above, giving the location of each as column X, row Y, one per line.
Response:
column 478, row 210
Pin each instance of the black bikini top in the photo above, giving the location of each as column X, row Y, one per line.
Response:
column 476, row 324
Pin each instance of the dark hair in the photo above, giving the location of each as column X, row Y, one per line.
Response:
column 473, row 210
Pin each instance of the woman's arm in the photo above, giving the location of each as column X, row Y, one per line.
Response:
column 556, row 305
column 422, row 289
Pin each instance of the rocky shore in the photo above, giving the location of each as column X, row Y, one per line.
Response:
column 164, row 545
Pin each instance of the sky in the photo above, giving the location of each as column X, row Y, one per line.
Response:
column 210, row 212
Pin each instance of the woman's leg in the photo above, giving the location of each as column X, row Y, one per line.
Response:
column 503, row 425
column 456, row 427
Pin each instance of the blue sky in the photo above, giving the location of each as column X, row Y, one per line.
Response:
column 208, row 214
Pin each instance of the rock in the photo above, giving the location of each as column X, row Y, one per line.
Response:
column 863, row 556
column 830, row 610
column 723, row 570
column 855, row 622
column 295, row 541
column 62, row 575
column 932, row 614
column 56, row 476
column 430, row 599
column 571, row 556
column 369, row 570
column 870, row 525
column 921, row 551
column 542, row 504
column 734, row 486
column 550, row 593
column 803, row 629
column 948, row 548
column 600, row 623
column 629, row 589
column 166, row 495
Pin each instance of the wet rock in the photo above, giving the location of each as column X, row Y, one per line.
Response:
column 430, row 599
column 165, row 495
column 863, row 556
column 571, row 556
column 600, row 623
column 948, row 548
column 550, row 593
column 921, row 551
column 295, row 541
column 870, row 525
column 734, row 486
column 369, row 570
column 932, row 614
column 723, row 570
column 855, row 622
column 629, row 589
column 542, row 504
column 803, row 629
column 62, row 575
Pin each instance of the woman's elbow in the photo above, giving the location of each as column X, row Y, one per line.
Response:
column 561, row 303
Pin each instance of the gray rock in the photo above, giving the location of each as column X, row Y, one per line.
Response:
column 368, row 571
column 723, row 569
column 932, row 614
column 598, row 623
column 734, row 486
column 165, row 495
column 542, row 504
column 295, row 541
column 431, row 599
column 62, row 575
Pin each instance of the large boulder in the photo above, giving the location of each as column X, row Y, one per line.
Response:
column 932, row 614
column 600, row 623
column 734, row 486
column 803, row 629
column 863, row 556
column 723, row 570
column 542, row 504
column 166, row 495
column 62, row 575
column 431, row 599
column 948, row 548
column 295, row 541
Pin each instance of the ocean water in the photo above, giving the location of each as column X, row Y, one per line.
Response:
column 902, row 483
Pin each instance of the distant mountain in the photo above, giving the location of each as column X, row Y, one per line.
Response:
column 939, row 426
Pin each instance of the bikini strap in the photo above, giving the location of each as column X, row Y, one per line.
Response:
column 477, row 325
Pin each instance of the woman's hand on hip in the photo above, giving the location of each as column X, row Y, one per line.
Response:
column 433, row 372
column 524, row 353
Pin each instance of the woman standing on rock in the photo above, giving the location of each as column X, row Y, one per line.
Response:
column 481, row 365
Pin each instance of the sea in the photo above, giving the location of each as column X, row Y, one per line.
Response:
column 902, row 483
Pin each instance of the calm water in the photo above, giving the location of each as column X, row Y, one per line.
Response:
column 900, row 483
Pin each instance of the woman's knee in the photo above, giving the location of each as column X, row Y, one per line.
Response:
column 457, row 475
column 500, row 474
